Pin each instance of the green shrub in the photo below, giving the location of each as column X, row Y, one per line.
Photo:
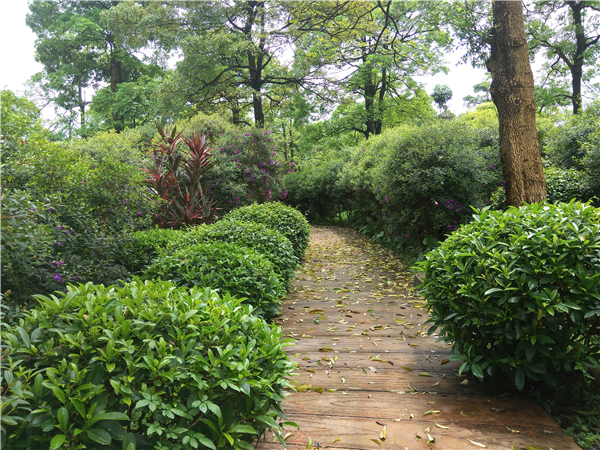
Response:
column 519, row 291
column 144, row 366
column 146, row 245
column 48, row 243
column 257, row 236
column 241, row 271
column 285, row 219
column 313, row 187
column 564, row 185
column 435, row 173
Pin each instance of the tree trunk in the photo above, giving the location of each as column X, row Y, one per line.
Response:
column 115, row 73
column 81, row 109
column 580, row 47
column 513, row 94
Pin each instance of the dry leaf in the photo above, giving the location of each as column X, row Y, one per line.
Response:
column 287, row 436
column 477, row 443
column 497, row 409
column 425, row 374
column 418, row 438
column 464, row 382
column 512, row 431
column 444, row 361
column 376, row 441
column 407, row 368
column 336, row 440
column 428, row 413
column 372, row 369
column 441, row 426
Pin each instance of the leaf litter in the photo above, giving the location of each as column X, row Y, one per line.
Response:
column 367, row 267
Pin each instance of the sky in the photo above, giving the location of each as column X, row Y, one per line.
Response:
column 18, row 63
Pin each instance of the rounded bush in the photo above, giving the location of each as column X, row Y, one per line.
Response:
column 148, row 365
column 519, row 292
column 241, row 271
column 268, row 242
column 146, row 245
column 285, row 219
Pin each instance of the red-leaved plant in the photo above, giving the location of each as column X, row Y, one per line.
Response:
column 176, row 176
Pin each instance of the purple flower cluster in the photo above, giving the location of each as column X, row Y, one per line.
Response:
column 453, row 205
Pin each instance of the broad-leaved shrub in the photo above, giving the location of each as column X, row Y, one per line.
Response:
column 145, row 366
column 519, row 291
column 241, row 271
column 257, row 236
column 285, row 219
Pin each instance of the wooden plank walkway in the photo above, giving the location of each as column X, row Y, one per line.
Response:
column 369, row 376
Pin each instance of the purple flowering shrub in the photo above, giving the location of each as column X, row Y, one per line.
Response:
column 247, row 168
column 46, row 244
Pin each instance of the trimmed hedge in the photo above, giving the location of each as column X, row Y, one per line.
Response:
column 257, row 236
column 148, row 365
column 519, row 292
column 285, row 219
column 146, row 245
column 241, row 271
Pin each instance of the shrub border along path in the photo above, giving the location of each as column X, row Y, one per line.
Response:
column 370, row 377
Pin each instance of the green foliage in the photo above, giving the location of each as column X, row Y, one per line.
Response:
column 413, row 182
column 131, row 105
column 21, row 126
column 564, row 185
column 257, row 236
column 247, row 168
column 285, row 219
column 146, row 245
column 68, row 209
column 313, row 189
column 519, row 292
column 567, row 142
column 441, row 95
column 144, row 366
column 46, row 243
column 241, row 271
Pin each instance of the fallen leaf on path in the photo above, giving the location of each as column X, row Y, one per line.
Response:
column 441, row 426
column 336, row 440
column 477, row 443
column 372, row 369
column 383, row 434
column 425, row 374
column 376, row 441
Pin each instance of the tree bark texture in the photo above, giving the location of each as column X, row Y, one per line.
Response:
column 513, row 94
column 577, row 67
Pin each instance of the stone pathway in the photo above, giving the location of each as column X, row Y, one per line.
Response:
column 369, row 377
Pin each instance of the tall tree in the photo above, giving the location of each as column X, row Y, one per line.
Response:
column 377, row 47
column 513, row 94
column 569, row 34
column 77, row 51
column 232, row 51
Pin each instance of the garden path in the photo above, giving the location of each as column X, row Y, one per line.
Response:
column 370, row 377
